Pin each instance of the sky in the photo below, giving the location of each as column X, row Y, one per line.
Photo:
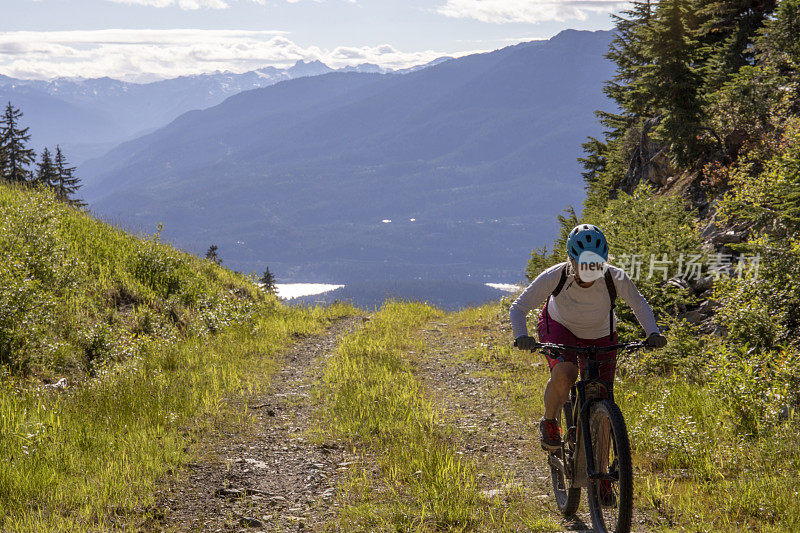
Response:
column 147, row 40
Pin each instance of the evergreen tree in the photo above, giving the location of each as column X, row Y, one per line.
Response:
column 726, row 32
column 212, row 254
column 597, row 175
column 13, row 144
column 673, row 81
column 268, row 282
column 46, row 173
column 628, row 52
column 778, row 44
column 3, row 159
column 595, row 161
column 66, row 183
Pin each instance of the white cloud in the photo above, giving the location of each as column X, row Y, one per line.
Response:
column 195, row 4
column 526, row 11
column 146, row 55
column 183, row 4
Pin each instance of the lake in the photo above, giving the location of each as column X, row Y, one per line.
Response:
column 445, row 294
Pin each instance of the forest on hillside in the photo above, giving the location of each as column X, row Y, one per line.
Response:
column 696, row 180
column 696, row 183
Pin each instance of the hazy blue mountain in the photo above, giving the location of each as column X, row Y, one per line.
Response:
column 366, row 68
column 90, row 116
column 308, row 68
column 53, row 120
column 470, row 159
column 426, row 65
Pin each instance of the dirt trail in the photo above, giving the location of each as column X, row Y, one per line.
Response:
column 271, row 479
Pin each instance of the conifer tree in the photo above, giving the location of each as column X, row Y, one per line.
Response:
column 595, row 161
column 66, row 183
column 45, row 170
column 778, row 44
column 212, row 254
column 268, row 281
column 13, row 145
column 3, row 159
column 673, row 81
column 628, row 51
column 726, row 31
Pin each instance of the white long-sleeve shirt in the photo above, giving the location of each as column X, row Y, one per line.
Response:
column 582, row 310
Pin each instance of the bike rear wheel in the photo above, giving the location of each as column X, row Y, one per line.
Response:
column 611, row 495
column 568, row 498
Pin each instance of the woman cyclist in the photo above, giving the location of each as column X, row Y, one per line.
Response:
column 578, row 298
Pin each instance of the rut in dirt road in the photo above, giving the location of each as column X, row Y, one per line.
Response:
column 272, row 479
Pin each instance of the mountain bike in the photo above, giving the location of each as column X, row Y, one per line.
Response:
column 595, row 452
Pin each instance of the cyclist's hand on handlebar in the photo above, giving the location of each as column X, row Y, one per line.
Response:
column 656, row 340
column 524, row 342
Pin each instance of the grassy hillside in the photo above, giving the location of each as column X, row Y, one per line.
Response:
column 149, row 342
column 77, row 294
column 160, row 350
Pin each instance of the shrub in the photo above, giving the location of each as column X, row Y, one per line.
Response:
column 760, row 388
column 749, row 104
column 684, row 356
column 764, row 187
column 647, row 234
column 761, row 308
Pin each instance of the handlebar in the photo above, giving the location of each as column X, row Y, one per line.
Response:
column 590, row 350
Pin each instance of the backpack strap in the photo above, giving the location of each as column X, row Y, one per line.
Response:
column 562, row 280
column 612, row 295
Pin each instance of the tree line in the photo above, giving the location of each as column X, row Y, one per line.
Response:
column 18, row 163
column 707, row 98
column 697, row 84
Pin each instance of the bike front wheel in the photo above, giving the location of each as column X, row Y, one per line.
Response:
column 610, row 494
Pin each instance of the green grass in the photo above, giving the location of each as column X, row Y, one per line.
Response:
column 154, row 345
column 697, row 469
column 410, row 475
column 76, row 294
column 371, row 396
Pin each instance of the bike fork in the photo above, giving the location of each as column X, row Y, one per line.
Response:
column 588, row 452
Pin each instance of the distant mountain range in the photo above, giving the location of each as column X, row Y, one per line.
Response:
column 455, row 171
column 90, row 116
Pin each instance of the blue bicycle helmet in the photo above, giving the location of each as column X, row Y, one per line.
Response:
column 587, row 238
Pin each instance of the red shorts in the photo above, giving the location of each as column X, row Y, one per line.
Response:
column 559, row 334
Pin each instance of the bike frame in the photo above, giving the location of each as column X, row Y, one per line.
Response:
column 580, row 467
